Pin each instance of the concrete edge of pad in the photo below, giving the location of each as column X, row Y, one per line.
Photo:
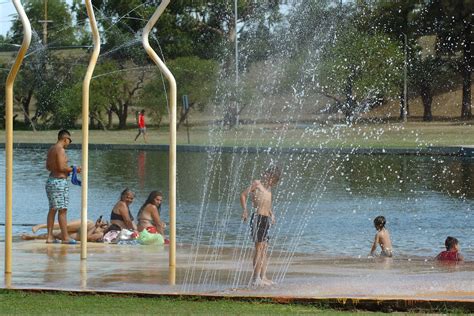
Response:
column 388, row 304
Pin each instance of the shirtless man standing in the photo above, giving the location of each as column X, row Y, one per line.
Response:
column 261, row 196
column 57, row 188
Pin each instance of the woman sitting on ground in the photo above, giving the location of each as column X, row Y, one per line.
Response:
column 121, row 217
column 149, row 214
column 95, row 231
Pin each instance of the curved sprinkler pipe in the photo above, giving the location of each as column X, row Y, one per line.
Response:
column 172, row 148
column 85, row 126
column 9, row 132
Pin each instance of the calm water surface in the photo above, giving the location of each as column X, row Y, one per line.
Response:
column 324, row 203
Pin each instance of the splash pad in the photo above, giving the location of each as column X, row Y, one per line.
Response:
column 355, row 283
column 214, row 268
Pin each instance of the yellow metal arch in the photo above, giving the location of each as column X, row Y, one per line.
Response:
column 172, row 148
column 9, row 133
column 85, row 126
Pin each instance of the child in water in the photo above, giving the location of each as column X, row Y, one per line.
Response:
column 382, row 237
column 452, row 251
column 260, row 221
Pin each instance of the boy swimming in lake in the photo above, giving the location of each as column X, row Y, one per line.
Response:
column 451, row 253
column 382, row 237
column 260, row 221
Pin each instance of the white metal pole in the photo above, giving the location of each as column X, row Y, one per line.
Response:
column 236, row 63
column 405, row 88
column 236, row 45
column 85, row 126
column 9, row 136
column 172, row 148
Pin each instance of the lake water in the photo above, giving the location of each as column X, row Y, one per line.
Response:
column 324, row 204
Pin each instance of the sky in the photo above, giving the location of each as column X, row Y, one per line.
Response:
column 6, row 11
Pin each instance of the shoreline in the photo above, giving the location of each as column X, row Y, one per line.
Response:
column 315, row 257
column 455, row 151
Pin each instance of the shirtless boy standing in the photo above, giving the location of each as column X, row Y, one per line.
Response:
column 261, row 196
column 382, row 238
column 57, row 188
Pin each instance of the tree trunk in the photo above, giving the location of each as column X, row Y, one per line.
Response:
column 466, row 112
column 109, row 119
column 25, row 106
column 122, row 116
column 349, row 106
column 184, row 115
column 403, row 115
column 426, row 98
column 91, row 122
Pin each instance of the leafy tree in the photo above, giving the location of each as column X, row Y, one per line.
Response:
column 186, row 28
column 398, row 19
column 3, row 78
column 43, row 74
column 195, row 78
column 52, row 102
column 451, row 21
column 358, row 69
column 60, row 30
column 303, row 20
column 427, row 75
column 31, row 77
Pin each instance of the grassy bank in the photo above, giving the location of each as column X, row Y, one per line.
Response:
column 17, row 302
column 28, row 303
column 386, row 135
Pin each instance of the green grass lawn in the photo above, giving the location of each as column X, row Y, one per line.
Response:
column 32, row 303
column 387, row 135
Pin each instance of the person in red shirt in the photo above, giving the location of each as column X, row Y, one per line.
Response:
column 141, row 125
column 452, row 251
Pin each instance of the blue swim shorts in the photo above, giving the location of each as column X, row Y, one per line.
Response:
column 57, row 191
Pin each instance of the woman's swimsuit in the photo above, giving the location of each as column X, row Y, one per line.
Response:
column 259, row 226
column 145, row 222
column 118, row 217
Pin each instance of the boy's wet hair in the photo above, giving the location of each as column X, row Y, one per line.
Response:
column 450, row 242
column 272, row 172
column 63, row 134
column 379, row 222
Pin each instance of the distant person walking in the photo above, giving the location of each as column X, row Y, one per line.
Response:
column 57, row 188
column 141, row 125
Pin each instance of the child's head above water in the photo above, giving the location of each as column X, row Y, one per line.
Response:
column 451, row 243
column 272, row 175
column 379, row 222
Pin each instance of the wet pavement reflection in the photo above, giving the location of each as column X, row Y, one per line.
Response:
column 144, row 269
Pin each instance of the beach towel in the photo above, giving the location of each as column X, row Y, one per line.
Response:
column 74, row 179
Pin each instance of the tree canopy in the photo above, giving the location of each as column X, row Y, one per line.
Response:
column 349, row 52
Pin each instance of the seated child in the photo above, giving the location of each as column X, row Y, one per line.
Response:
column 452, row 251
column 382, row 237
